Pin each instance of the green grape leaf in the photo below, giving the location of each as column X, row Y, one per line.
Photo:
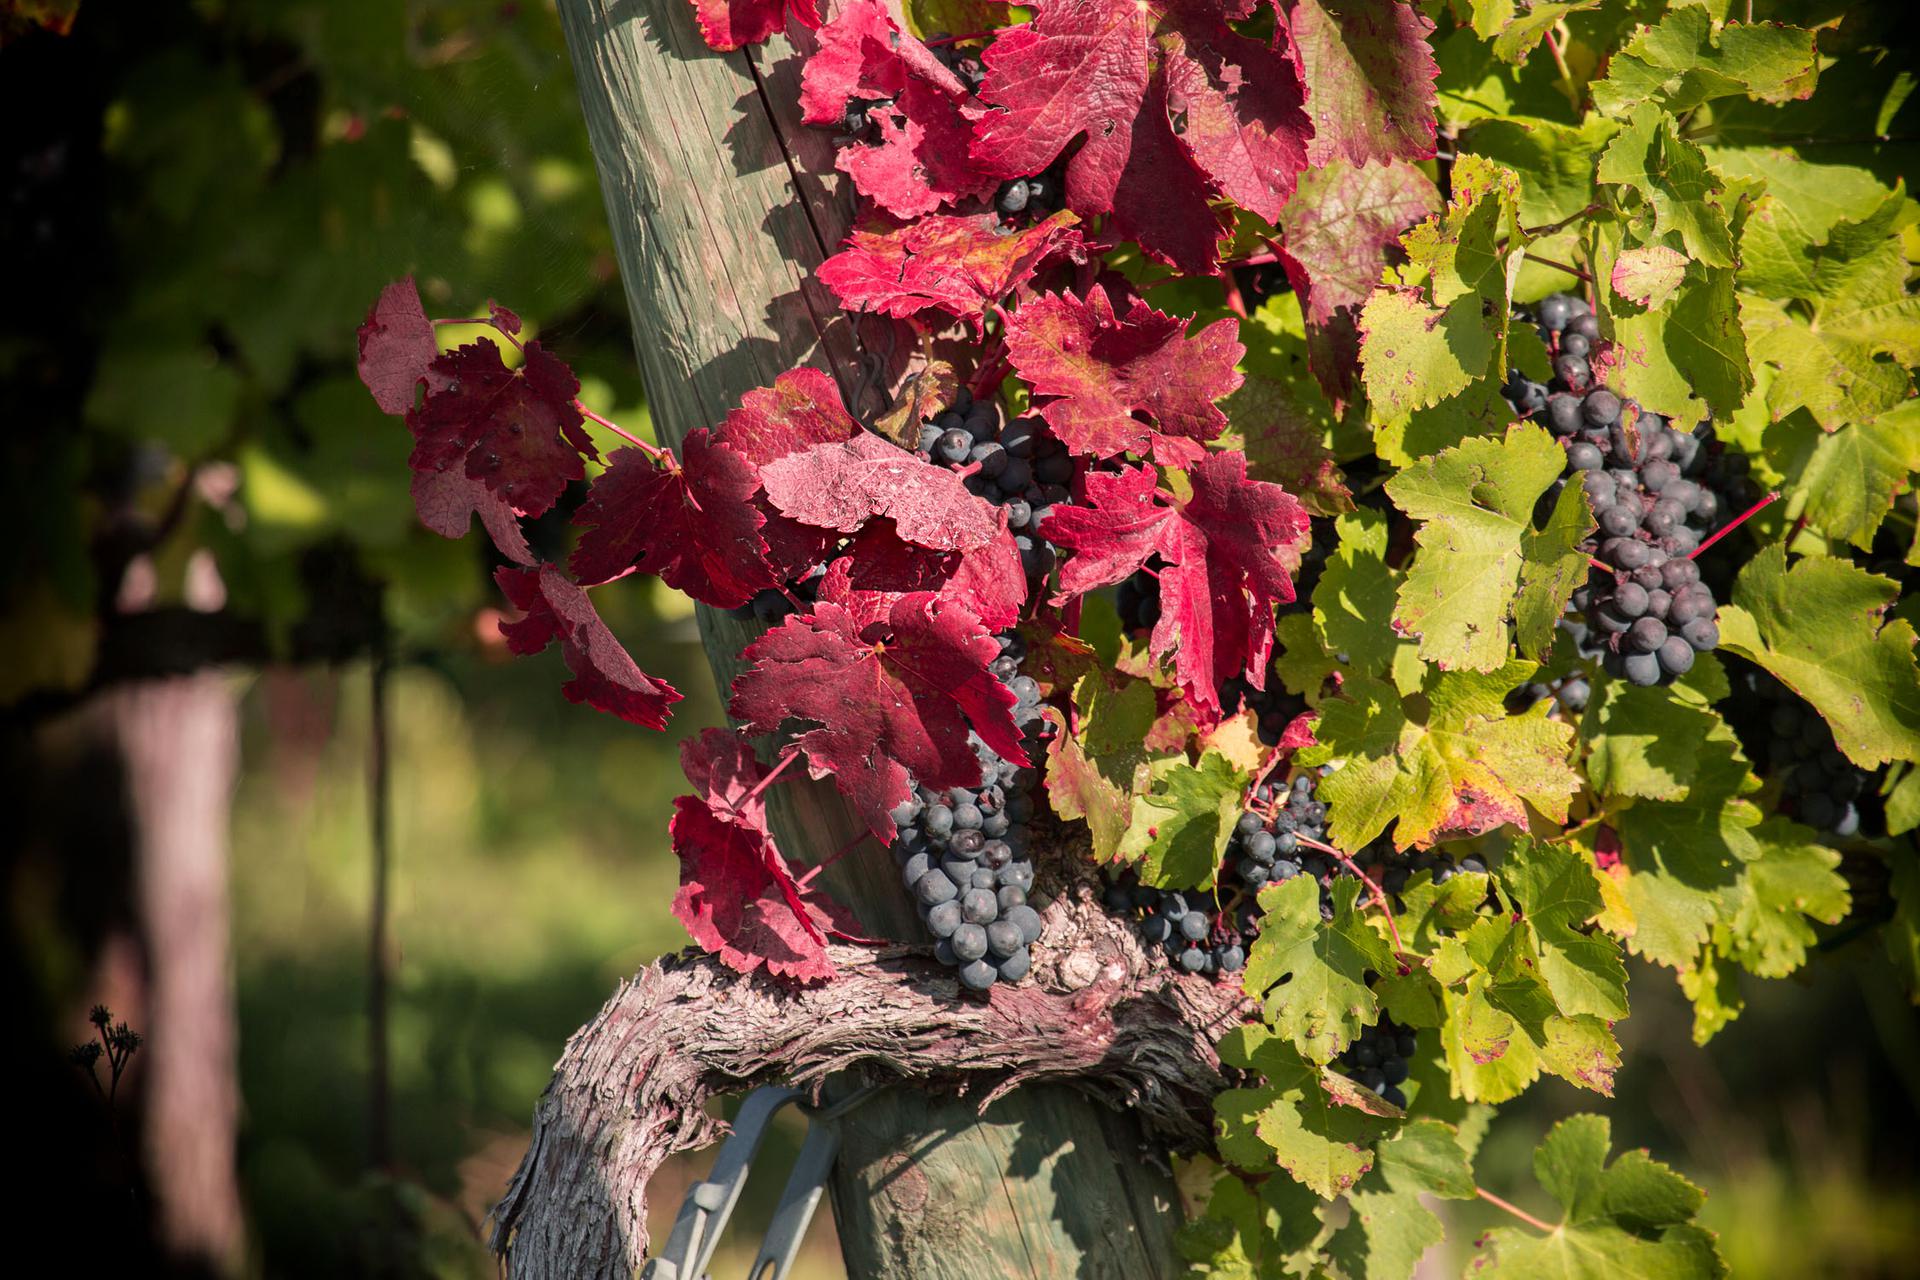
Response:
column 1324, row 1145
column 1713, row 986
column 1554, row 889
column 1250, row 1233
column 1681, row 62
column 1686, row 355
column 1180, row 825
column 1354, row 599
column 1095, row 774
column 1556, row 160
column 1831, row 313
column 1792, row 877
column 1388, row 1228
column 1442, row 323
column 1649, row 276
column 1821, row 628
column 1846, row 481
column 1646, row 742
column 1301, row 658
column 1433, row 909
column 1502, row 1027
column 1516, row 33
column 1324, row 1001
column 1634, row 1217
column 1481, row 561
column 1649, row 158
column 1445, row 759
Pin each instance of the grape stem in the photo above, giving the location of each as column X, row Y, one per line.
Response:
column 988, row 34
column 652, row 451
column 1515, row 1210
column 1576, row 272
column 1735, row 523
column 1379, row 896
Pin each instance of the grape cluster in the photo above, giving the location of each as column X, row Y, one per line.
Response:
column 1019, row 466
column 1643, row 478
column 964, row 853
column 1378, row 1059
column 1195, row 939
column 1790, row 741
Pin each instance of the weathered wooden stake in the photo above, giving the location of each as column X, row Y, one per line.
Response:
column 720, row 216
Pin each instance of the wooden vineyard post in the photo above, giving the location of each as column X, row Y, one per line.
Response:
column 720, row 217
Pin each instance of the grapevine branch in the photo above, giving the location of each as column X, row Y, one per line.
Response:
column 1103, row 1014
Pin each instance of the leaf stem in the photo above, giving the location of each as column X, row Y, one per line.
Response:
column 1560, row 64
column 830, row 859
column 1575, row 272
column 1534, row 233
column 652, row 451
column 787, row 757
column 1735, row 523
column 988, row 34
column 1515, row 1210
column 1379, row 896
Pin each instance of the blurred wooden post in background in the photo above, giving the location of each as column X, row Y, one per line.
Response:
column 720, row 217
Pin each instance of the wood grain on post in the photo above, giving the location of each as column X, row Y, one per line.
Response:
column 720, row 217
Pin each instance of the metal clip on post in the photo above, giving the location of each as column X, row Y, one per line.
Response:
column 703, row 1214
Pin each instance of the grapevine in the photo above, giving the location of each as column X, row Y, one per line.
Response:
column 1330, row 503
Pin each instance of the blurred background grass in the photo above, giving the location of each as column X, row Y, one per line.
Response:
column 202, row 198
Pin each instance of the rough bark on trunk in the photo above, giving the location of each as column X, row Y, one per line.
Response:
column 180, row 741
column 1103, row 1017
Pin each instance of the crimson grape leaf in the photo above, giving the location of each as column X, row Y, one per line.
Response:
column 604, row 674
column 447, row 502
column 722, row 766
column 729, row 24
column 690, row 521
column 739, row 899
column 862, row 54
column 957, row 265
column 1343, row 227
column 921, row 161
column 1106, row 71
column 989, row 581
column 892, row 683
column 1103, row 374
column 1228, row 554
column 842, row 486
column 1370, row 75
column 396, row 348
column 801, row 408
column 517, row 431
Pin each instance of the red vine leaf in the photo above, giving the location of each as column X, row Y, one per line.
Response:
column 604, row 675
column 1370, row 76
column 842, row 486
column 517, row 431
column 722, row 766
column 693, row 524
column 1124, row 385
column 1228, row 554
column 922, row 160
column 955, row 264
column 1343, row 228
column 396, row 348
column 739, row 899
column 729, row 24
column 447, row 501
column 892, row 684
column 862, row 54
column 506, row 321
column 800, row 409
column 988, row 581
column 1113, row 72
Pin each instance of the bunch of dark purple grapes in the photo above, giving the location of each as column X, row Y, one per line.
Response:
column 1790, row 741
column 964, row 853
column 1019, row 466
column 1650, row 613
column 1378, row 1059
column 1569, row 692
column 1194, row 938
